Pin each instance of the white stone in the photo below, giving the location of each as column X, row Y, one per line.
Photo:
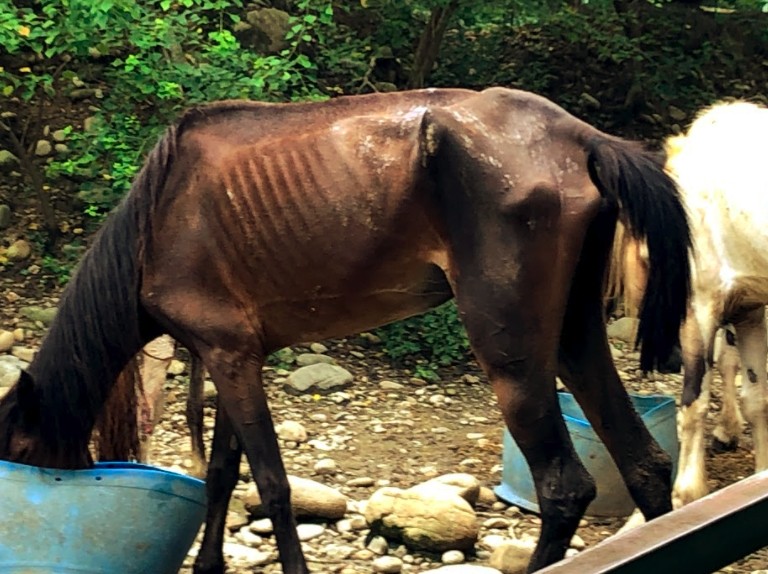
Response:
column 309, row 531
column 452, row 557
column 6, row 340
column 387, row 565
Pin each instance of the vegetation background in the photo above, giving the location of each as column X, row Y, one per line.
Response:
column 86, row 86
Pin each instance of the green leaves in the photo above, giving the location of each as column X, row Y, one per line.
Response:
column 430, row 341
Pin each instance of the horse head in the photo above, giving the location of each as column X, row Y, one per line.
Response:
column 22, row 432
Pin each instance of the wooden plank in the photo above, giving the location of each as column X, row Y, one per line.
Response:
column 699, row 538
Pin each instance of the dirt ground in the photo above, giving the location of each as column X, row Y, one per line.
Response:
column 403, row 436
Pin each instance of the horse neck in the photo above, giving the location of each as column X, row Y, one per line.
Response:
column 99, row 327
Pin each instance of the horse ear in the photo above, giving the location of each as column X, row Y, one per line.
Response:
column 27, row 396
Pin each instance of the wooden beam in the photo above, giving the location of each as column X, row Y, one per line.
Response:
column 699, row 538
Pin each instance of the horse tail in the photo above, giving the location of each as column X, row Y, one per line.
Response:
column 651, row 208
column 117, row 429
column 627, row 274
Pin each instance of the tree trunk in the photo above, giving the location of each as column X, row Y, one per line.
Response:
column 429, row 44
column 35, row 179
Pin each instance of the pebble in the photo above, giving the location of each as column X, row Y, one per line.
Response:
column 577, row 542
column 325, row 466
column 309, row 531
column 246, row 536
column 378, row 545
column 247, row 554
column 362, row 481
column 262, row 526
column 496, row 522
column 387, row 565
column 6, row 341
column 452, row 557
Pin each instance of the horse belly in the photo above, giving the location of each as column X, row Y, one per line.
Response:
column 744, row 255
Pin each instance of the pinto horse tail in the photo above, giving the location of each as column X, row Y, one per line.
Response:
column 651, row 208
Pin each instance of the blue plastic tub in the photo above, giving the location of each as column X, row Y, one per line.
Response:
column 114, row 518
column 658, row 412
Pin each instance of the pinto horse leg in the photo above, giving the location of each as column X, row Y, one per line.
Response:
column 156, row 357
column 697, row 340
column 239, row 383
column 195, row 416
column 752, row 343
column 731, row 424
column 220, row 482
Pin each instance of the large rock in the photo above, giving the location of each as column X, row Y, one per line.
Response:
column 318, row 378
column 304, row 359
column 512, row 557
column 309, row 499
column 43, row 314
column 9, row 374
column 624, row 329
column 434, row 521
column 18, row 250
column 264, row 30
column 460, row 483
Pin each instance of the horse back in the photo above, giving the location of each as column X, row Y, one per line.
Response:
column 719, row 165
column 319, row 226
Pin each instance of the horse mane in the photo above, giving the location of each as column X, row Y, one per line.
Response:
column 101, row 324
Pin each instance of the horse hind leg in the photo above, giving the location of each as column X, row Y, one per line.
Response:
column 586, row 367
column 752, row 342
column 519, row 357
column 728, row 431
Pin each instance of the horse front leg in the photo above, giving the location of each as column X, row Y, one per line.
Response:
column 241, row 393
column 752, row 343
column 220, row 482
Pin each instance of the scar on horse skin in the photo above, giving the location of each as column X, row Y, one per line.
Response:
column 752, row 376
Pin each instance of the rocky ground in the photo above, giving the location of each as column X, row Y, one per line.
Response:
column 389, row 429
column 386, row 429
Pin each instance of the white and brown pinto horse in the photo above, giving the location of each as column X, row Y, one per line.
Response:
column 719, row 166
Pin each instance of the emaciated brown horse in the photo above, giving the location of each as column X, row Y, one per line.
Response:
column 255, row 226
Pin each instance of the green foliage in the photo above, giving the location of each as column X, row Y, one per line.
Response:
column 106, row 161
column 163, row 56
column 430, row 341
column 282, row 359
